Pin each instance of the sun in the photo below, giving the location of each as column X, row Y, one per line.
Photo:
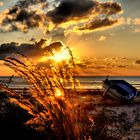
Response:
column 62, row 55
column 57, row 56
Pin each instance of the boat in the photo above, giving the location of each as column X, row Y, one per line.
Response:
column 119, row 90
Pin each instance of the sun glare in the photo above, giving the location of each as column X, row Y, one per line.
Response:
column 58, row 93
column 43, row 59
column 61, row 56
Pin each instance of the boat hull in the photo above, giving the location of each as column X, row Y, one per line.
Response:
column 110, row 90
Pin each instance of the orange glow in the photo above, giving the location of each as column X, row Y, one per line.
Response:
column 5, row 71
column 58, row 93
column 60, row 56
column 43, row 59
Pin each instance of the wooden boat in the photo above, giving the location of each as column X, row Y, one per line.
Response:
column 119, row 90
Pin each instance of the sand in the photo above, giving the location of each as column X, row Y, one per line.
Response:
column 103, row 118
column 110, row 118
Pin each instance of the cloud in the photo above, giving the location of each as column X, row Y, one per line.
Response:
column 128, row 21
column 10, row 48
column 115, row 59
column 27, row 3
column 84, row 62
column 6, row 49
column 1, row 3
column 93, row 63
column 58, row 32
column 36, row 49
column 66, row 14
column 136, row 21
column 122, row 66
column 23, row 16
column 137, row 30
column 137, row 62
column 22, row 19
column 102, row 38
column 68, row 10
column 85, row 15
column 97, row 24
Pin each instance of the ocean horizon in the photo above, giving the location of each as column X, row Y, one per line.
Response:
column 86, row 82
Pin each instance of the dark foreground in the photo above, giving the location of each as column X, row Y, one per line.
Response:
column 101, row 119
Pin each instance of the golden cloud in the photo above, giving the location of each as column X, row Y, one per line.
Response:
column 71, row 15
column 102, row 38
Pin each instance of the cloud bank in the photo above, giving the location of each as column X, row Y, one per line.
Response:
column 36, row 49
column 74, row 15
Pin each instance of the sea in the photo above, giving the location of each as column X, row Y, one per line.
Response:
column 86, row 82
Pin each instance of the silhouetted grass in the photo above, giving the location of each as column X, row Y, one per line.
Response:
column 52, row 111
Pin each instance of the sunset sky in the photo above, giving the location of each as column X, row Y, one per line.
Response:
column 103, row 35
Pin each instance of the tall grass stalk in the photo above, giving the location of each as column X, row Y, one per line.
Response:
column 49, row 102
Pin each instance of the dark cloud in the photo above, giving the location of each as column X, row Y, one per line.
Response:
column 69, row 9
column 30, row 50
column 97, row 24
column 23, row 19
column 6, row 49
column 10, row 48
column 96, row 14
column 122, row 66
column 137, row 62
column 84, row 14
column 109, row 8
column 74, row 9
column 27, row 3
column 115, row 59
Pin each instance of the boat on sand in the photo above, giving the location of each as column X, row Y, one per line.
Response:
column 119, row 90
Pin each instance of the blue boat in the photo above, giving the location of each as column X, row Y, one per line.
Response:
column 119, row 90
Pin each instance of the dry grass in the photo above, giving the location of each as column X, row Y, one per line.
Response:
column 49, row 103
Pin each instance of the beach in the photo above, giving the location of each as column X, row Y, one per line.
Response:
column 104, row 118
column 70, row 70
column 109, row 119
